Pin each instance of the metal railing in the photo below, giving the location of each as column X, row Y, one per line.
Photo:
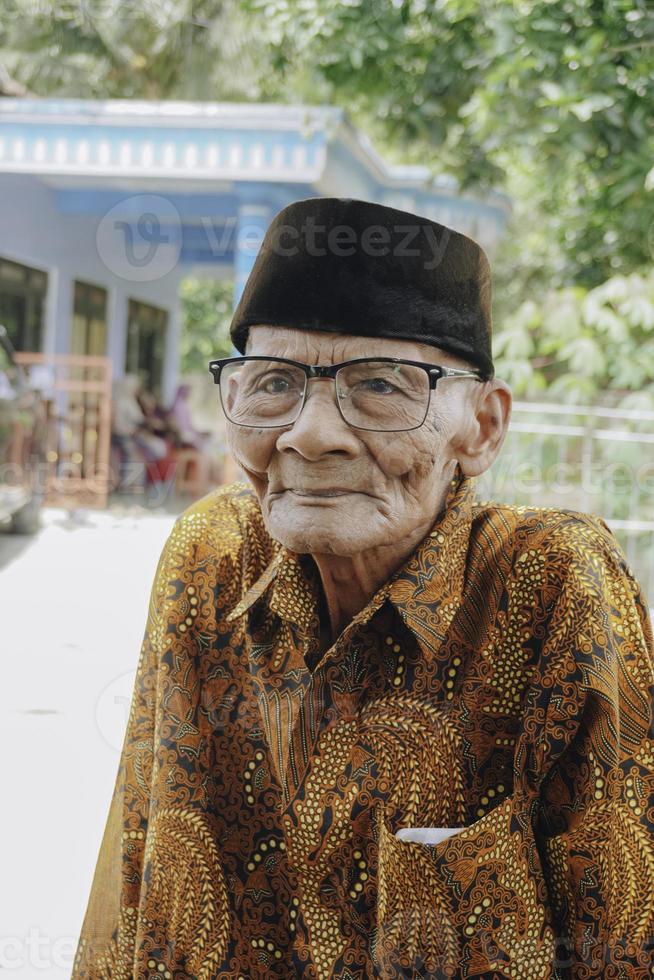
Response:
column 587, row 458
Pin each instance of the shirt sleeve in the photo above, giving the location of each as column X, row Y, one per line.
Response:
column 557, row 880
column 107, row 939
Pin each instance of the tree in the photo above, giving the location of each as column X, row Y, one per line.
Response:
column 206, row 314
column 551, row 99
column 584, row 346
column 149, row 49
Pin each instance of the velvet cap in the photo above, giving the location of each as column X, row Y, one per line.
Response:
column 365, row 269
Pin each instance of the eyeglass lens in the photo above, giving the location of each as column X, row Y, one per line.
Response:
column 375, row 395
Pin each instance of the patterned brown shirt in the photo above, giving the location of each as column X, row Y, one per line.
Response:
column 500, row 682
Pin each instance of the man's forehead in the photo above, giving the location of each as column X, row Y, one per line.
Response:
column 283, row 341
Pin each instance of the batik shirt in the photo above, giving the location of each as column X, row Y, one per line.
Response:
column 499, row 683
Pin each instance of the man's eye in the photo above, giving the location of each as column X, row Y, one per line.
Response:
column 276, row 384
column 378, row 386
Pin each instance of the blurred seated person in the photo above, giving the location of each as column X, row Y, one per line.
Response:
column 188, row 437
column 156, row 437
column 126, row 417
column 141, row 433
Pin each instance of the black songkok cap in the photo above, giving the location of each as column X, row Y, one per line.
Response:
column 354, row 267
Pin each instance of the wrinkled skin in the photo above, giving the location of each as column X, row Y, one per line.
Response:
column 386, row 489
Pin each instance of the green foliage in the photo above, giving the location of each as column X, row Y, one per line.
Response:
column 149, row 49
column 550, row 98
column 206, row 314
column 581, row 347
column 584, row 346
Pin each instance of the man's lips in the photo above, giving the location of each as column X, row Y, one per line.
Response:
column 323, row 492
column 315, row 491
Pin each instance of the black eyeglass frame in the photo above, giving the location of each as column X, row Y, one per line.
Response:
column 434, row 374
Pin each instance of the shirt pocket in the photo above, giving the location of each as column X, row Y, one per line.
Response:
column 414, row 913
column 427, row 835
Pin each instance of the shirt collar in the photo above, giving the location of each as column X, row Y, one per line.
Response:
column 426, row 590
column 292, row 590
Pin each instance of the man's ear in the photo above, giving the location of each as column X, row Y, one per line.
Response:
column 481, row 440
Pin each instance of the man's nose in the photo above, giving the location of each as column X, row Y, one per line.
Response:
column 320, row 428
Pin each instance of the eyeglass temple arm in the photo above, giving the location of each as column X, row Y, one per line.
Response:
column 447, row 372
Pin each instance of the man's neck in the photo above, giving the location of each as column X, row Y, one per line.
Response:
column 349, row 583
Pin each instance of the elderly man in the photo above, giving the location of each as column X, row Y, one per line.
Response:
column 378, row 729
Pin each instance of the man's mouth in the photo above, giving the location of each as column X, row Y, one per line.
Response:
column 323, row 492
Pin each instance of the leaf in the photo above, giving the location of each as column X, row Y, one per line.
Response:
column 604, row 319
column 573, row 389
column 585, row 356
column 553, row 92
column 639, row 311
column 516, row 342
column 587, row 107
column 517, row 373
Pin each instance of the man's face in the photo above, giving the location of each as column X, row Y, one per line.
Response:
column 327, row 488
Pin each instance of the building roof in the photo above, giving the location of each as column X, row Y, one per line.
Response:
column 200, row 146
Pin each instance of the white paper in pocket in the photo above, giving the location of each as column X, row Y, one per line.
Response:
column 426, row 835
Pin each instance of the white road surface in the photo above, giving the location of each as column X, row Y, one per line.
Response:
column 73, row 606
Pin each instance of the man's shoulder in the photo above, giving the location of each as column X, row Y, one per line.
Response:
column 528, row 551
column 223, row 520
column 559, row 534
column 223, row 502
column 529, row 518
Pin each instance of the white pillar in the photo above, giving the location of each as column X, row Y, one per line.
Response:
column 116, row 330
column 172, row 349
column 59, row 312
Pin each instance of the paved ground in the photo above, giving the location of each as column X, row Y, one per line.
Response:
column 73, row 603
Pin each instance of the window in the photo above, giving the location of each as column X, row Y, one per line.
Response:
column 22, row 302
column 146, row 342
column 89, row 333
column 7, row 383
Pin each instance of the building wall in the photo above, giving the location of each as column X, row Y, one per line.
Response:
column 34, row 232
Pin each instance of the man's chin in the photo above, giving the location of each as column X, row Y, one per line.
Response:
column 310, row 531
column 338, row 525
column 317, row 545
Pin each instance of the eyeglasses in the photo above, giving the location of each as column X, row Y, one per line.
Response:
column 381, row 394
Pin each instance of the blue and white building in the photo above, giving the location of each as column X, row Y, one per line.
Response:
column 105, row 206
